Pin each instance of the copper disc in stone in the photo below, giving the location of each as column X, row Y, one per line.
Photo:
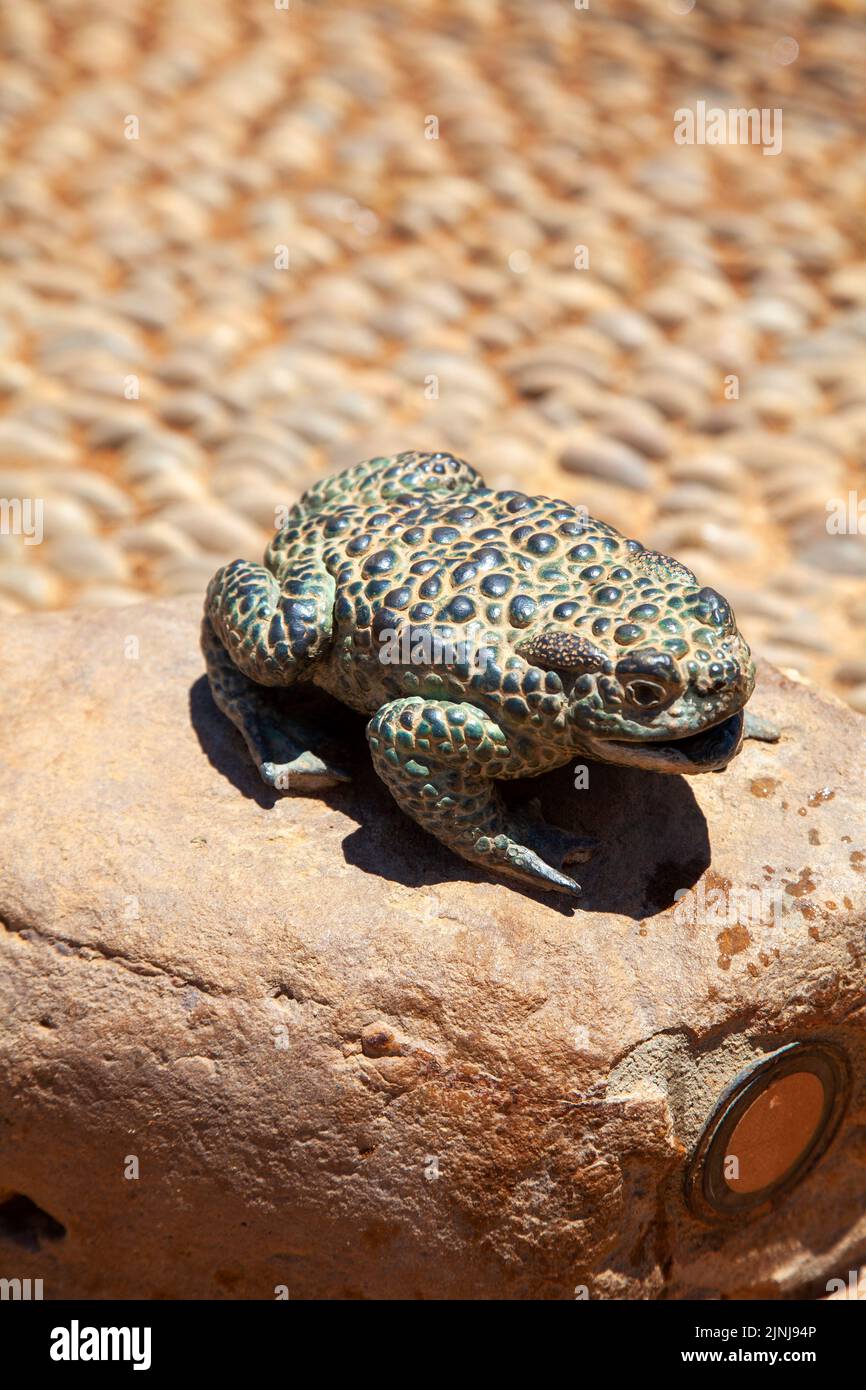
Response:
column 777, row 1118
column 775, row 1130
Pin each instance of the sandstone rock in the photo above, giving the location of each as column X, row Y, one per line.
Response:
column 348, row 1063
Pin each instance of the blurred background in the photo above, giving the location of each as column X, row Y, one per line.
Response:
column 244, row 245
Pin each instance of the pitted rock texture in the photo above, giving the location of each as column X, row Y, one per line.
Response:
column 349, row 1064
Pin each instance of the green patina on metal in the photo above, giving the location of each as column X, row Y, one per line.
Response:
column 492, row 634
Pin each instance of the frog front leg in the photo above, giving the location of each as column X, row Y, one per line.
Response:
column 439, row 759
column 760, row 729
column 257, row 633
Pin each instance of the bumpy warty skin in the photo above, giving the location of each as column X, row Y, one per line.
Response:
column 489, row 635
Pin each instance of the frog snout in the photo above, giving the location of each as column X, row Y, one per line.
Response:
column 717, row 676
column 732, row 672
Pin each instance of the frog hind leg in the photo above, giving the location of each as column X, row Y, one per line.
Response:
column 438, row 759
column 258, row 633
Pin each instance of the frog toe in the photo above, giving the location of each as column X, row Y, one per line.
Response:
column 520, row 862
column 306, row 772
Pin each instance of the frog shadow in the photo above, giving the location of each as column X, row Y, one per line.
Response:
column 653, row 836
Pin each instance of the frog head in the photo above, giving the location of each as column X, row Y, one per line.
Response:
column 654, row 671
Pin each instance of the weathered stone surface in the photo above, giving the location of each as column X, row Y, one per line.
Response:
column 290, row 1010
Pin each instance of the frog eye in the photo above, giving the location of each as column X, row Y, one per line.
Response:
column 649, row 678
column 555, row 650
column 645, row 694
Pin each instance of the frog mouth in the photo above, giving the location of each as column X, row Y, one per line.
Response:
column 710, row 750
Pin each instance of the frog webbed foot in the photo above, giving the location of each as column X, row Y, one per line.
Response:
column 301, row 770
